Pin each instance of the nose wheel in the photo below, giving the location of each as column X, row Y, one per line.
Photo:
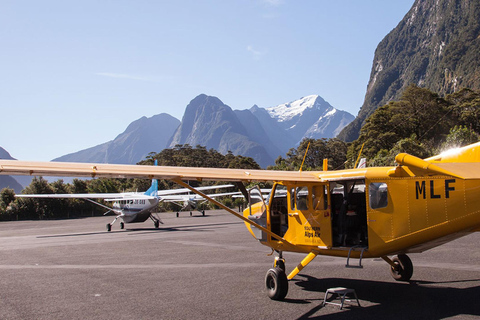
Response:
column 276, row 284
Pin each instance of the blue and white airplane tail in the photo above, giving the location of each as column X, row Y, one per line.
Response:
column 153, row 190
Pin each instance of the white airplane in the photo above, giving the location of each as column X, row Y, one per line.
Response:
column 191, row 201
column 134, row 207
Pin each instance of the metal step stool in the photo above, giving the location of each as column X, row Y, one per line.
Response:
column 342, row 293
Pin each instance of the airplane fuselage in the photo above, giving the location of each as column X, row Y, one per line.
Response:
column 135, row 210
column 368, row 209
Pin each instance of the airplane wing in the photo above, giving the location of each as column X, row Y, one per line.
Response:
column 71, row 196
column 106, row 196
column 185, row 190
column 195, row 197
column 66, row 169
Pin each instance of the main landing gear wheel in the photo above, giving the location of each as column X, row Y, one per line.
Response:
column 276, row 283
column 109, row 227
column 190, row 213
column 203, row 213
column 157, row 224
column 122, row 225
column 177, row 214
column 403, row 270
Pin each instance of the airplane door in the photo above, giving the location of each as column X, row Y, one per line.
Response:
column 257, row 212
column 309, row 218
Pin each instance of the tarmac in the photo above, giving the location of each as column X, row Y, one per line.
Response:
column 211, row 268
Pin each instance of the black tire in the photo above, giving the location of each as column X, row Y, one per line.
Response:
column 109, row 227
column 190, row 213
column 203, row 213
column 157, row 224
column 404, row 268
column 122, row 225
column 177, row 214
column 276, row 283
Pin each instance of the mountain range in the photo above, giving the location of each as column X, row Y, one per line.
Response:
column 263, row 134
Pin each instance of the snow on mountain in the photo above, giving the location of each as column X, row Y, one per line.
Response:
column 310, row 117
column 288, row 111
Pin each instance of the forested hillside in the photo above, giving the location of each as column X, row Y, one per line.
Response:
column 421, row 123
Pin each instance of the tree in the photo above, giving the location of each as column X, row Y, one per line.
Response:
column 460, row 136
column 334, row 150
column 419, row 114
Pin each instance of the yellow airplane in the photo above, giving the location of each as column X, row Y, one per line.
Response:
column 356, row 213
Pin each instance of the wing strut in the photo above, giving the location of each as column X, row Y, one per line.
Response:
column 302, row 264
column 183, row 184
column 242, row 188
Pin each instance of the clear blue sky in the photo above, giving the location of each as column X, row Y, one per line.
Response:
column 74, row 74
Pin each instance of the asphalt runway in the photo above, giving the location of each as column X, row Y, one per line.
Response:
column 210, row 268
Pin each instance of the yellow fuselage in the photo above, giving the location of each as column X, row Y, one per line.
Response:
column 382, row 210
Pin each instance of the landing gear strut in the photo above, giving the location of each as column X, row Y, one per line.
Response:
column 156, row 221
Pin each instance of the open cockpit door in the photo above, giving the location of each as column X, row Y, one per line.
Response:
column 257, row 212
column 349, row 215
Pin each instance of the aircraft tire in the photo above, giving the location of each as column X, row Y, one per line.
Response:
column 122, row 225
column 177, row 214
column 404, row 270
column 203, row 213
column 190, row 213
column 276, row 283
column 109, row 227
column 157, row 224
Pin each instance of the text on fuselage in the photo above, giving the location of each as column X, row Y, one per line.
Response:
column 422, row 189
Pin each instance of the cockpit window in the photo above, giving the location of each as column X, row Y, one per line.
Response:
column 302, row 196
column 378, row 195
column 319, row 198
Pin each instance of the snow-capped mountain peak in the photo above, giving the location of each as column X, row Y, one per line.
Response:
column 288, row 111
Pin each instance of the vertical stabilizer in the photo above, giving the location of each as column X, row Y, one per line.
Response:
column 153, row 190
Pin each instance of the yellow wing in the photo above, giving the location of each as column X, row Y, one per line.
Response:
column 68, row 169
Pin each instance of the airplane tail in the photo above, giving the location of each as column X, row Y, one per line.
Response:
column 153, row 190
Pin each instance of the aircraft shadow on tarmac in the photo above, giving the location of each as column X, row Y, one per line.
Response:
column 138, row 231
column 410, row 300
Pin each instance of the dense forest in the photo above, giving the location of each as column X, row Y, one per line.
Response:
column 420, row 123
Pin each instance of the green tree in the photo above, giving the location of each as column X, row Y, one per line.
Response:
column 460, row 136
column 419, row 114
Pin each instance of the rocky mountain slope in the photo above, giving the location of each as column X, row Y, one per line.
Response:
column 141, row 137
column 207, row 121
column 436, row 46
